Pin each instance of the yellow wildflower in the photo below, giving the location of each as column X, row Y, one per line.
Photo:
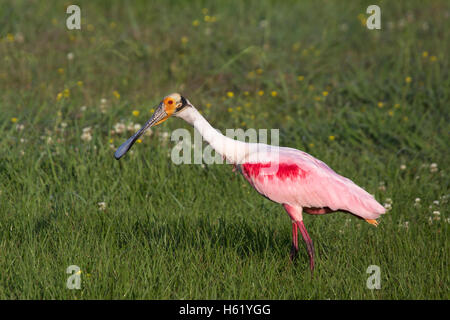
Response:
column 238, row 108
column 246, row 93
column 311, row 87
column 230, row 94
column 139, row 140
column 230, row 109
column 259, row 71
column 208, row 105
column 331, row 138
column 301, row 78
column 184, row 40
column 274, row 93
column 397, row 106
column 61, row 70
column 80, row 83
column 408, row 79
column 207, row 18
column 66, row 93
column 195, row 23
column 325, row 93
column 135, row 113
column 311, row 145
column 433, row 58
column 390, row 113
column 205, row 11
column 261, row 92
column 116, row 94
column 59, row 96
column 13, row 120
column 380, row 104
column 425, row 54
column 10, row 37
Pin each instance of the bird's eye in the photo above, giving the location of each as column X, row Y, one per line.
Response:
column 170, row 102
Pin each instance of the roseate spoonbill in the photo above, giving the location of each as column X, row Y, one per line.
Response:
column 290, row 177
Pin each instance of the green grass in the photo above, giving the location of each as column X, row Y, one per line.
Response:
column 188, row 232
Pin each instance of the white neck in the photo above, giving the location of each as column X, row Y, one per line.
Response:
column 235, row 151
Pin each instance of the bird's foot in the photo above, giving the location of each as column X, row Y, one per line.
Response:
column 293, row 254
column 310, row 248
column 309, row 244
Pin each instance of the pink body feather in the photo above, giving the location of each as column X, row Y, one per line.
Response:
column 301, row 182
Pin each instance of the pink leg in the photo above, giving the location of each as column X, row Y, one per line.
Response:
column 294, row 248
column 309, row 243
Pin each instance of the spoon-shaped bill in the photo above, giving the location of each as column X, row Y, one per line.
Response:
column 157, row 117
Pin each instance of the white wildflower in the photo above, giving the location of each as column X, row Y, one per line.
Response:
column 404, row 225
column 433, row 167
column 130, row 126
column 148, row 132
column 164, row 136
column 87, row 134
column 417, row 202
column 119, row 127
column 103, row 105
column 101, row 206
column 86, row 137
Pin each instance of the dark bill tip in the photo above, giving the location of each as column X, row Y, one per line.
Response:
column 126, row 146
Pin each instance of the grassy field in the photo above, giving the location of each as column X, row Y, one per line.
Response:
column 373, row 104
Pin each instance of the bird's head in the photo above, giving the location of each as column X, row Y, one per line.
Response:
column 171, row 105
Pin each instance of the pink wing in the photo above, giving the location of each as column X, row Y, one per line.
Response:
column 296, row 178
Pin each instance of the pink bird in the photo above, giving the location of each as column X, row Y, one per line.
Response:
column 290, row 177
